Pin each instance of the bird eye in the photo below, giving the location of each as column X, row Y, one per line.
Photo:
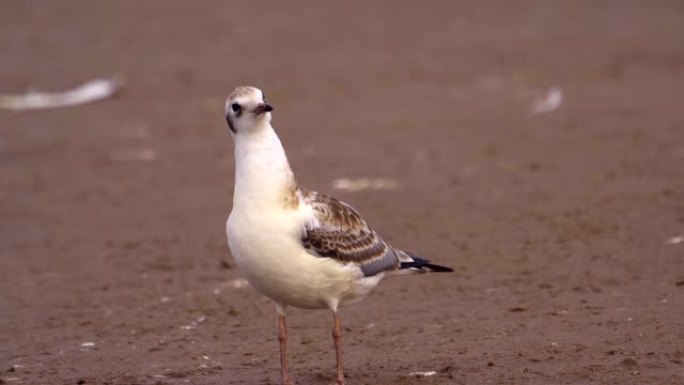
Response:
column 235, row 107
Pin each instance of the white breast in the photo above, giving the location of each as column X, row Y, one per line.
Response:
column 269, row 253
column 265, row 232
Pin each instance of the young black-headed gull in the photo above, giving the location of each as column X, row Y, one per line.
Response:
column 295, row 246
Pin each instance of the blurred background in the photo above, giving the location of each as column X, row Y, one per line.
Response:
column 535, row 146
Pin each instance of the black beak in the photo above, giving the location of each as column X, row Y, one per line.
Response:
column 261, row 108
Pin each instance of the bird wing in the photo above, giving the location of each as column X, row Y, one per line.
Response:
column 337, row 231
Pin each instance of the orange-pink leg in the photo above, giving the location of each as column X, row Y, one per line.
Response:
column 337, row 337
column 282, row 338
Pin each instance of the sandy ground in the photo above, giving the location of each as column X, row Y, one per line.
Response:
column 562, row 225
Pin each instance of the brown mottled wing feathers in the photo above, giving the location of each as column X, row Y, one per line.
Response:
column 340, row 233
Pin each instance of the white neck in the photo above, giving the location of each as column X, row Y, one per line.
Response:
column 262, row 172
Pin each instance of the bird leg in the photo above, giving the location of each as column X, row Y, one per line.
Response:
column 282, row 338
column 337, row 337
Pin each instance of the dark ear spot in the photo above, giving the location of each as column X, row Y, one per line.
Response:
column 230, row 124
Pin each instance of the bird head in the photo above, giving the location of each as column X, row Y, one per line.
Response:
column 246, row 110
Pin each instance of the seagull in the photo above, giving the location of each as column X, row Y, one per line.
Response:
column 298, row 247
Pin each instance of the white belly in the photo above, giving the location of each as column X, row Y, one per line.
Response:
column 268, row 252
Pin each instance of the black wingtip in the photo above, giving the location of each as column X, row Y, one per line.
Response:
column 438, row 268
column 425, row 265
